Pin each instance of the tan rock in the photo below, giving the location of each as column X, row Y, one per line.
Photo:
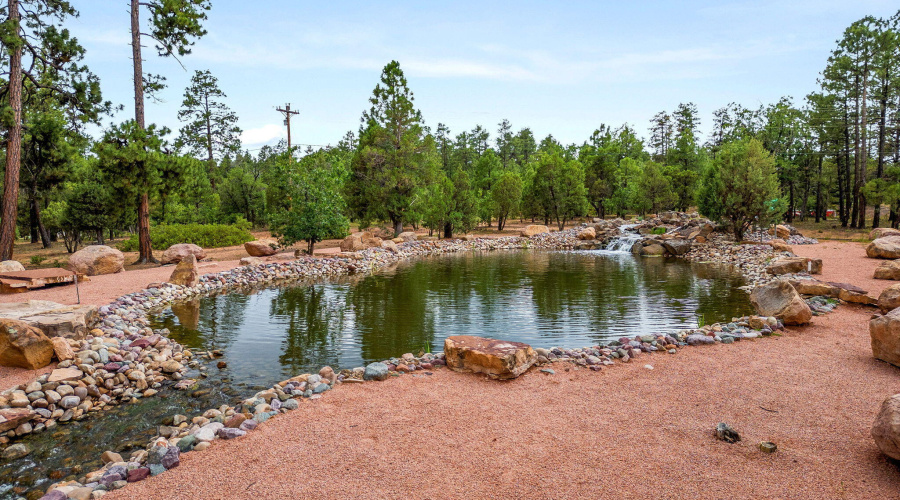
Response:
column 792, row 265
column 782, row 232
column 815, row 287
column 886, row 429
column 780, row 245
column 884, row 332
column 175, row 253
column 677, row 246
column 11, row 266
column 352, row 243
column 10, row 418
column 250, row 261
column 390, row 246
column 110, row 457
column 62, row 349
column 888, row 270
column 587, row 233
column 496, row 358
column 857, row 297
column 533, row 230
column 407, row 236
column 23, row 346
column 779, row 299
column 186, row 273
column 261, row 248
column 653, row 250
column 370, row 241
column 889, row 298
column 94, row 260
column 64, row 375
column 887, row 247
column 881, row 232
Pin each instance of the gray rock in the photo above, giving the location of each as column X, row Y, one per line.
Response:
column 376, row 371
column 290, row 404
column 230, row 433
column 321, row 388
column 69, row 402
column 699, row 339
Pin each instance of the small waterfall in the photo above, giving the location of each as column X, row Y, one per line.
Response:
column 625, row 240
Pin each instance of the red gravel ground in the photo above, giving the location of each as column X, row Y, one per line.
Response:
column 625, row 432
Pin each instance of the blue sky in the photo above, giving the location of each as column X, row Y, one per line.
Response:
column 557, row 67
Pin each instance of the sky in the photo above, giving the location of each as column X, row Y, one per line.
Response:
column 560, row 68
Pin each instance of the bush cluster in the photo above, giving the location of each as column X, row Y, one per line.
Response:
column 204, row 235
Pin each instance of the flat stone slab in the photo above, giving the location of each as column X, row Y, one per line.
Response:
column 11, row 418
column 498, row 359
column 53, row 318
column 64, row 374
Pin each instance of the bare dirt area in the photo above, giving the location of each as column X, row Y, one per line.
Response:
column 626, row 432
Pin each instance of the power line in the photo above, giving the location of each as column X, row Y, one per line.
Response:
column 286, row 111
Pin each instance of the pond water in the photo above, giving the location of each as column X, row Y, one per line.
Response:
column 547, row 299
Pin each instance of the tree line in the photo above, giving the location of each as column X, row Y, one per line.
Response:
column 839, row 147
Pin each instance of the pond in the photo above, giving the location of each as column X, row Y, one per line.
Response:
column 547, row 299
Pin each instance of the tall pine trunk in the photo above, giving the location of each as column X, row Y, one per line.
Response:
column 13, row 145
column 145, row 246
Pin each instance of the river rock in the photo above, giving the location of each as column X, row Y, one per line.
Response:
column 588, row 233
column 139, row 474
column 110, row 457
column 887, row 247
column 496, row 358
column 230, row 433
column 884, row 332
column 533, row 230
column 888, row 270
column 94, row 260
column 779, row 299
column 208, row 431
column 881, row 232
column 699, row 339
column 10, row 418
column 261, row 248
column 15, row 452
column 889, row 298
column 177, row 252
column 23, row 346
column 11, row 266
column 186, row 273
column 171, row 366
column 793, row 265
column 886, row 429
column 376, row 371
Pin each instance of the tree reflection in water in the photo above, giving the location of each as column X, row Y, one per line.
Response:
column 543, row 298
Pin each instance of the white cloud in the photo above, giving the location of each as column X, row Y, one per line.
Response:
column 260, row 136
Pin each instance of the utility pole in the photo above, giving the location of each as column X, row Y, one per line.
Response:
column 286, row 110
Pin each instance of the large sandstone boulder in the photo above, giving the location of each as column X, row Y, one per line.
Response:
column 815, row 287
column 11, row 266
column 886, row 429
column 175, row 253
column 186, row 273
column 887, row 247
column 353, row 243
column 390, row 246
column 889, row 298
column 779, row 299
column 250, row 261
column 884, row 332
column 370, row 241
column 94, row 260
column 54, row 319
column 496, row 358
column 792, row 265
column 407, row 236
column 261, row 248
column 23, row 346
column 677, row 246
column 781, row 232
column 888, row 270
column 587, row 233
column 533, row 230
column 881, row 232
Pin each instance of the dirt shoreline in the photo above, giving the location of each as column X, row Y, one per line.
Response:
column 625, row 432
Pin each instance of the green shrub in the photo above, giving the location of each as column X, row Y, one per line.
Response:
column 659, row 230
column 203, row 235
column 37, row 259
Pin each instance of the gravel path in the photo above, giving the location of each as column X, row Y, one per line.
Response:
column 625, row 432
